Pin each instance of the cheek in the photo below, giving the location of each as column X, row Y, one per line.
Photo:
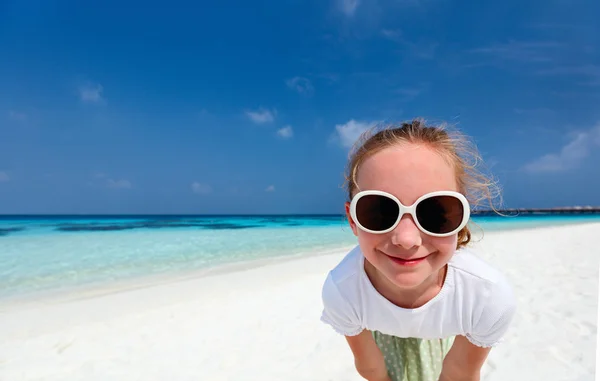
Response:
column 365, row 238
column 368, row 242
column 444, row 245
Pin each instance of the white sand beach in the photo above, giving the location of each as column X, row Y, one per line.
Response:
column 263, row 323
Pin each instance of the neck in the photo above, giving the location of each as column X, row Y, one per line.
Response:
column 414, row 297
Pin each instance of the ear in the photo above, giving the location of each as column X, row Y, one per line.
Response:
column 350, row 220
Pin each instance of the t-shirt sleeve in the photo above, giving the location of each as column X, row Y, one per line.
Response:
column 337, row 311
column 497, row 315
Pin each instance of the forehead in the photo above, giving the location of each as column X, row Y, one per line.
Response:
column 407, row 171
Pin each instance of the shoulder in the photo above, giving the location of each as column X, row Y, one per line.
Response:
column 342, row 281
column 348, row 267
column 473, row 272
column 490, row 293
column 340, row 295
column 476, row 276
column 471, row 266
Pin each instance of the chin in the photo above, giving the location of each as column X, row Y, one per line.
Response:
column 408, row 280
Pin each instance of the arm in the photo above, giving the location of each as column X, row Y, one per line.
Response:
column 368, row 359
column 464, row 361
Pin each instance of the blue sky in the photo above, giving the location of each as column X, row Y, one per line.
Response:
column 247, row 107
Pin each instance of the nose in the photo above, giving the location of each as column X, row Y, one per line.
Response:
column 406, row 234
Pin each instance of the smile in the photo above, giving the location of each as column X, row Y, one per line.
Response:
column 407, row 262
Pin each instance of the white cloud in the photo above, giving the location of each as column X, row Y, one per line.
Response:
column 118, row 184
column 261, row 116
column 347, row 134
column 17, row 116
column 91, row 93
column 286, row 132
column 4, row 177
column 301, row 85
column 348, row 7
column 570, row 156
column 200, row 188
column 270, row 188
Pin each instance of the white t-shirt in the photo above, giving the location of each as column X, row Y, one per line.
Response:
column 475, row 301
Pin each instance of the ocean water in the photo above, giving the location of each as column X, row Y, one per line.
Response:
column 54, row 253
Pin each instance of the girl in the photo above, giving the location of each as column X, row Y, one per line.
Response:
column 413, row 303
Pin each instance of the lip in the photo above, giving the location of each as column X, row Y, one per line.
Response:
column 407, row 262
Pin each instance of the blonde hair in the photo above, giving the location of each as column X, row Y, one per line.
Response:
column 455, row 147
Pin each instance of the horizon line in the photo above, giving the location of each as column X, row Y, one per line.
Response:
column 555, row 209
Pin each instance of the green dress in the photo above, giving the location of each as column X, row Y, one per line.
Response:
column 411, row 359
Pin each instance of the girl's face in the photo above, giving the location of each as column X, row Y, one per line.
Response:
column 407, row 171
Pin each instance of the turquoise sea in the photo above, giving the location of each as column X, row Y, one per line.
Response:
column 53, row 253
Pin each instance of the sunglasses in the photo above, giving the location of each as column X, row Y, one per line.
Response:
column 439, row 214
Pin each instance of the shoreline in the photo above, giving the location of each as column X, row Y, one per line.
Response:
column 103, row 288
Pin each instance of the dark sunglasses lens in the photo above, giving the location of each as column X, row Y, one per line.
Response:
column 440, row 214
column 376, row 212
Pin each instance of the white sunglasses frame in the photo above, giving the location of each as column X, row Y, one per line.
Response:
column 411, row 210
